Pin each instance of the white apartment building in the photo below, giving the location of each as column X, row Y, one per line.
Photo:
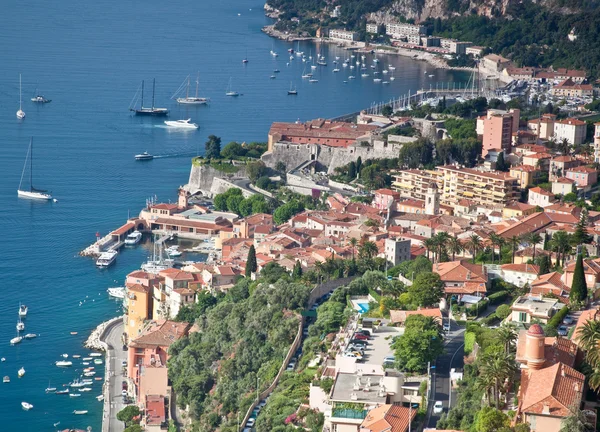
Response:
column 403, row 30
column 571, row 129
column 342, row 35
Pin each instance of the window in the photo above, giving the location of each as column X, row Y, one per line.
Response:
column 522, row 317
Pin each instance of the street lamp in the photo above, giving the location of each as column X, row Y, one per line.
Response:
column 410, row 406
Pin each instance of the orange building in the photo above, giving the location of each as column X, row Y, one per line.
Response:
column 139, row 308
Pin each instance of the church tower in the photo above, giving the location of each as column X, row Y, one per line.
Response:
column 535, row 347
column 432, row 200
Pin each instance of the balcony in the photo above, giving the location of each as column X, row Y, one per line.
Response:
column 348, row 413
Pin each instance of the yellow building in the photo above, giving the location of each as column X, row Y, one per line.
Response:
column 525, row 174
column 139, row 308
column 517, row 210
column 413, row 183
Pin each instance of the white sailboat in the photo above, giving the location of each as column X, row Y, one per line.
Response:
column 190, row 100
column 20, row 113
column 32, row 193
column 229, row 91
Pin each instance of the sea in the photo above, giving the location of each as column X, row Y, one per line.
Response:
column 89, row 58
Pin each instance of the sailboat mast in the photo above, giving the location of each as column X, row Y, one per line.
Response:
column 153, row 88
column 197, row 82
column 20, row 96
column 187, row 90
column 31, row 165
column 142, row 93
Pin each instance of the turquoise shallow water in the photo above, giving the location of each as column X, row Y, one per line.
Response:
column 89, row 58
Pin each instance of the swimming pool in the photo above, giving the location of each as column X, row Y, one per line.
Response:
column 362, row 307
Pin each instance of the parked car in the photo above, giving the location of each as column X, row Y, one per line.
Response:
column 124, row 393
column 124, row 385
column 291, row 365
column 365, row 332
column 563, row 330
column 250, row 422
column 359, row 342
column 446, row 327
column 568, row 320
column 361, row 336
column 438, row 407
column 389, row 358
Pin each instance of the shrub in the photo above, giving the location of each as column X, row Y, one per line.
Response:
column 555, row 321
column 498, row 297
column 469, row 342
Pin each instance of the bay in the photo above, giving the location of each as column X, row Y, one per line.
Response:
column 89, row 58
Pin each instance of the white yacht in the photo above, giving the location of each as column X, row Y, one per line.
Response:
column 20, row 113
column 181, row 124
column 106, row 258
column 21, row 372
column 144, row 156
column 230, row 91
column 64, row 363
column 80, row 412
column 20, row 325
column 23, row 310
column 133, row 238
column 16, row 340
column 173, row 251
column 6, row 379
column 32, row 193
column 26, row 406
column 191, row 100
column 30, row 336
column 117, row 292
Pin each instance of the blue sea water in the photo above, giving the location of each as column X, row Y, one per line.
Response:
column 89, row 57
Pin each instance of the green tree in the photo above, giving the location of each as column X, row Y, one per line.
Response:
column 474, row 244
column 491, row 420
column 264, row 182
column 495, row 368
column 387, row 111
column 501, row 164
column 579, row 287
column 297, row 272
column 127, row 414
column 581, row 235
column 255, row 170
column 544, row 263
column 577, row 421
column 421, row 343
column 358, row 164
column 368, row 250
column 212, row 147
column 427, row 289
column 232, row 150
column 534, row 239
column 233, row 203
column 454, row 246
column 251, row 265
column 133, row 428
column 204, row 301
column 352, row 170
column 589, row 339
column 561, row 244
column 503, row 311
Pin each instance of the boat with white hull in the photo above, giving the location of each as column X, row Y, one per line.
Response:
column 23, row 310
column 116, row 292
column 181, row 124
column 32, row 193
column 20, row 112
column 106, row 258
column 133, row 238
column 189, row 100
column 148, row 111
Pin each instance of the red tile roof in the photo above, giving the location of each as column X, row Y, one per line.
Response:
column 124, row 229
column 388, row 418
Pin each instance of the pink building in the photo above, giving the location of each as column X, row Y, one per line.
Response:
column 384, row 198
column 497, row 129
column 148, row 355
column 583, row 176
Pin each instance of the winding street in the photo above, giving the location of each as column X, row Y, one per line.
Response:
column 115, row 356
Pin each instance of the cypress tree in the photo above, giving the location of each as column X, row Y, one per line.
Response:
column 352, row 170
column 578, row 288
column 251, row 265
column 297, row 272
column 544, row 263
column 358, row 165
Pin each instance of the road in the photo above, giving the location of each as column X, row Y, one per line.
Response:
column 452, row 358
column 115, row 356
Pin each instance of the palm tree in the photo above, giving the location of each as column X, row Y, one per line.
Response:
column 594, row 379
column 368, row 250
column 353, row 243
column 474, row 244
column 565, row 146
column 496, row 240
column 561, row 245
column 534, row 239
column 497, row 368
column 454, row 246
column 589, row 340
column 514, row 241
column 431, row 245
column 507, row 334
column 442, row 239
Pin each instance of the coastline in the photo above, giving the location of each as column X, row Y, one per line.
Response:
column 433, row 59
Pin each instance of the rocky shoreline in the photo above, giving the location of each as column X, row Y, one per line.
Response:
column 94, row 341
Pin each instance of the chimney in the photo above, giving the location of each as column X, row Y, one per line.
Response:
column 546, row 409
column 576, row 387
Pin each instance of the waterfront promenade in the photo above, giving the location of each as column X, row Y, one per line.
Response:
column 113, row 402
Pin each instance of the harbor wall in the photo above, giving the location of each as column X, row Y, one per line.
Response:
column 202, row 177
column 294, row 155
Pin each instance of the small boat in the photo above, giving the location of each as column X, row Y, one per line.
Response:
column 100, row 398
column 40, row 99
column 276, row 71
column 313, row 66
column 274, row 54
column 245, row 61
column 87, row 359
column 144, row 156
column 145, row 111
column 20, row 113
column 77, row 384
column 65, row 355
column 117, row 292
column 26, row 406
column 365, row 75
column 64, row 363
column 133, row 238
column 351, row 77
column 20, row 325
column 85, row 363
column 390, row 67
column 32, row 193
column 336, row 70
column 191, row 100
column 6, row 379
column 86, row 389
column 2, row 359
column 392, row 78
column 98, row 361
column 23, row 310
column 75, row 395
column 376, row 80
column 89, row 374
column 230, row 91
column 292, row 91
column 321, row 63
column 181, row 124
column 76, row 356
column 431, row 76
column 21, row 372
column 98, row 378
column 73, row 333
column 106, row 258
column 50, row 389
column 30, row 336
column 173, row 251
column 313, row 80
column 60, row 392
column 272, row 77
column 385, row 82
column 89, row 369
column 80, row 412
column 95, row 354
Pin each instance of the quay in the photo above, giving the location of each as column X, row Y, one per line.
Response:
column 114, row 240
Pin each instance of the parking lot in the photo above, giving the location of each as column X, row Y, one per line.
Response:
column 378, row 346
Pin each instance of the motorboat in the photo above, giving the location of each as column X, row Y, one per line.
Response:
column 133, row 238
column 376, row 80
column 60, row 392
column 64, row 363
column 76, row 356
column 116, row 292
column 390, row 67
column 191, row 100
column 86, row 389
column 16, row 340
column 245, row 61
column 89, row 374
column 313, row 80
column 87, row 359
column 365, row 75
column 20, row 112
column 51, row 390
column 173, row 251
column 107, row 258
column 80, row 412
column 6, row 379
column 40, row 99
column 95, row 354
column 20, row 325
column 321, row 63
column 272, row 77
column 149, row 111
column 26, row 406
column 77, row 384
column 30, row 336
column 98, row 361
column 75, row 395
column 73, row 333
column 144, row 156
column 336, row 70
column 313, row 66
column 351, row 77
column 31, row 193
column 2, row 359
column 100, row 398
column 23, row 310
column 21, row 372
column 65, row 355
column 181, row 124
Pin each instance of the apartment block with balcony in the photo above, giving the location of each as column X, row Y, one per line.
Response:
column 414, row 183
column 497, row 128
column 403, row 30
column 342, row 35
column 483, row 187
